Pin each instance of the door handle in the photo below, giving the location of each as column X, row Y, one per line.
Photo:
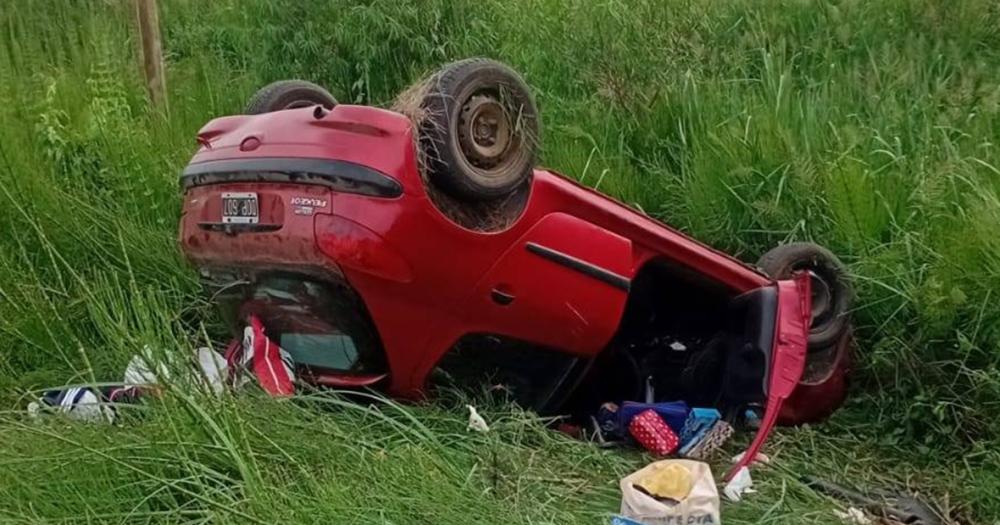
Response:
column 500, row 297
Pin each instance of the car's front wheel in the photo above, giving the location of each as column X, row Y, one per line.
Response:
column 831, row 291
column 823, row 386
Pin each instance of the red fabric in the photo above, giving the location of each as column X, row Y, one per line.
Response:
column 232, row 353
column 649, row 429
column 573, row 431
column 267, row 365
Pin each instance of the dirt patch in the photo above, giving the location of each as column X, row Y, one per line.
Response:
column 482, row 216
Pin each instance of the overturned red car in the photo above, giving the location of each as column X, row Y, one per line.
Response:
column 408, row 249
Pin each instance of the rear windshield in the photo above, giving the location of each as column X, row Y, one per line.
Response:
column 321, row 325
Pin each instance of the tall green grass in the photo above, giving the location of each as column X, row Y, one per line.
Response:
column 870, row 127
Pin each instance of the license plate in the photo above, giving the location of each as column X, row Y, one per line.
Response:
column 240, row 208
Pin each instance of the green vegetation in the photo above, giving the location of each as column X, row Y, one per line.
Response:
column 870, row 127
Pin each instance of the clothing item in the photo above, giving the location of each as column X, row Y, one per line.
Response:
column 703, row 447
column 255, row 359
column 698, row 423
column 85, row 403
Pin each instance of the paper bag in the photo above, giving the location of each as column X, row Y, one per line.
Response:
column 701, row 506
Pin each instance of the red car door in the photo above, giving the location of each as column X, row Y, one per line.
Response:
column 563, row 284
column 788, row 358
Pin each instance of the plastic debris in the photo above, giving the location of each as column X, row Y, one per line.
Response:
column 476, row 422
column 739, row 485
column 759, row 458
column 140, row 372
column 262, row 359
column 854, row 516
column 83, row 405
column 214, row 369
column 256, row 358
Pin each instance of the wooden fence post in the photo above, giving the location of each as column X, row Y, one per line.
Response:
column 147, row 14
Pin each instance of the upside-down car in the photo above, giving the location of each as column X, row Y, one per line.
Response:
column 400, row 250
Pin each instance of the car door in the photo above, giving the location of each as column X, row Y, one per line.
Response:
column 563, row 284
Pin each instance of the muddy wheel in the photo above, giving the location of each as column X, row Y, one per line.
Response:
column 479, row 133
column 831, row 292
column 288, row 94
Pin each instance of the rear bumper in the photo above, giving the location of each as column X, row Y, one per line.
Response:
column 283, row 241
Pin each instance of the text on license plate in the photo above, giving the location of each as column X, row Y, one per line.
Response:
column 240, row 208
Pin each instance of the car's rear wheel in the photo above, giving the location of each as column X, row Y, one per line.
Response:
column 288, row 94
column 831, row 292
column 479, row 130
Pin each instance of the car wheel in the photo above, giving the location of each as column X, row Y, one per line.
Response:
column 479, row 133
column 288, row 94
column 831, row 292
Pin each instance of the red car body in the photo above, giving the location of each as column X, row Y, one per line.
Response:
column 559, row 277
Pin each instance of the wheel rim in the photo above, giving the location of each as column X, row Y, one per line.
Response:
column 301, row 103
column 485, row 134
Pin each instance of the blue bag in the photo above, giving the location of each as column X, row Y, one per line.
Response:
column 675, row 413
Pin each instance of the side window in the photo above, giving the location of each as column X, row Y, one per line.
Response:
column 529, row 375
column 333, row 351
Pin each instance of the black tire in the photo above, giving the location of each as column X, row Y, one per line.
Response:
column 832, row 293
column 288, row 94
column 479, row 132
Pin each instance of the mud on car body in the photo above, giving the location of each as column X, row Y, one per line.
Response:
column 398, row 249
